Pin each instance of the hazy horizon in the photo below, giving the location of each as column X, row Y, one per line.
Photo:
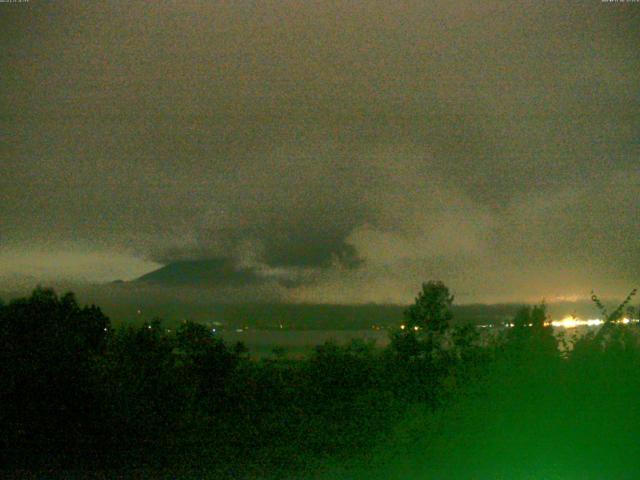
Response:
column 341, row 153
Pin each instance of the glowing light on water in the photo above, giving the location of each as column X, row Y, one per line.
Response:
column 572, row 322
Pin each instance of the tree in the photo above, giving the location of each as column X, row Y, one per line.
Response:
column 531, row 337
column 432, row 308
column 140, row 386
column 206, row 361
column 531, row 317
column 48, row 346
column 613, row 335
column 539, row 316
column 617, row 314
column 522, row 317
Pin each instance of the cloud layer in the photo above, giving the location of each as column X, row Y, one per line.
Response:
column 356, row 148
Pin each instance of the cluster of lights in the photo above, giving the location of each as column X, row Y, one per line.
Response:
column 568, row 322
column 572, row 322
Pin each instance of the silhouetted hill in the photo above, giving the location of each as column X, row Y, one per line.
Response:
column 202, row 273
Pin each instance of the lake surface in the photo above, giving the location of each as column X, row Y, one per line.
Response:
column 301, row 342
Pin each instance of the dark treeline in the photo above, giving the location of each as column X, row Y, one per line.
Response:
column 79, row 395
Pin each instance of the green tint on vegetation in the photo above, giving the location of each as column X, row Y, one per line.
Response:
column 531, row 414
column 441, row 402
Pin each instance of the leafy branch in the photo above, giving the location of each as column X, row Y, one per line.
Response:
column 618, row 312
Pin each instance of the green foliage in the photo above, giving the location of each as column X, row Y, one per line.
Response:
column 185, row 398
column 432, row 308
column 137, row 383
column 341, row 372
column 530, row 341
column 205, row 361
column 428, row 359
column 531, row 317
column 618, row 312
column 406, row 344
column 612, row 338
column 47, row 348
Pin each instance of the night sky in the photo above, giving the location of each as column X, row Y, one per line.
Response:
column 341, row 151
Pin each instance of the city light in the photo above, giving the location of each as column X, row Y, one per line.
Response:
column 572, row 322
column 568, row 322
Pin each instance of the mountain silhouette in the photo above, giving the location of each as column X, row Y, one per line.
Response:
column 211, row 272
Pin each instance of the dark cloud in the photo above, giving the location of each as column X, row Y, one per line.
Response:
column 356, row 148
